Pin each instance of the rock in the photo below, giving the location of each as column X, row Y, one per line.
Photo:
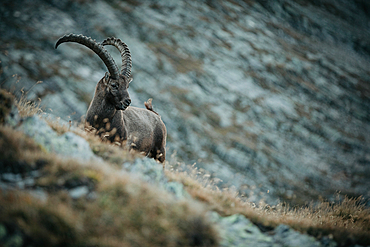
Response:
column 10, row 177
column 236, row 230
column 285, row 236
column 151, row 171
column 148, row 169
column 39, row 194
column 13, row 117
column 78, row 192
column 66, row 145
column 177, row 189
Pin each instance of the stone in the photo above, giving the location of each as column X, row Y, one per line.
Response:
column 78, row 192
column 148, row 169
column 151, row 171
column 66, row 145
column 237, row 230
column 288, row 237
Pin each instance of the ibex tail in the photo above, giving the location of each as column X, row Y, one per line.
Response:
column 149, row 105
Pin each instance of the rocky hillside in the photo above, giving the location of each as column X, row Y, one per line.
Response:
column 272, row 97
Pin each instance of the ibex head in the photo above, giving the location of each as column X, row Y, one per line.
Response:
column 115, row 83
column 116, row 91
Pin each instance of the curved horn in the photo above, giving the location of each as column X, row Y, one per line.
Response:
column 125, row 54
column 96, row 47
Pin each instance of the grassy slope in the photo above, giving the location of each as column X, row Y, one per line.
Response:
column 127, row 212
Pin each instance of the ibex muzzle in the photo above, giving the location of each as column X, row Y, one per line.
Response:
column 110, row 112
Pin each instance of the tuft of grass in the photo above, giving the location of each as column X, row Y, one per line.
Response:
column 26, row 107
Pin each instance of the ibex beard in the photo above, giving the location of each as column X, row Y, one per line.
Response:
column 110, row 113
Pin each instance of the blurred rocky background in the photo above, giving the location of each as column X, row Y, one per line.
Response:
column 271, row 97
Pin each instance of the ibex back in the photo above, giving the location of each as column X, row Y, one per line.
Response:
column 109, row 111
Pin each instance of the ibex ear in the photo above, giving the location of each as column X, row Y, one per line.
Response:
column 130, row 80
column 106, row 78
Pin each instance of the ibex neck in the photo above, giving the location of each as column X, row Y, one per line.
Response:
column 100, row 112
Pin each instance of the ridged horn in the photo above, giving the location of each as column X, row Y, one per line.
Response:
column 125, row 54
column 96, row 47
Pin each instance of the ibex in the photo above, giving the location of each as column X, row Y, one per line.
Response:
column 109, row 111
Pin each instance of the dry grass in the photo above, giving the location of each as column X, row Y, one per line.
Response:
column 114, row 153
column 347, row 222
column 26, row 107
